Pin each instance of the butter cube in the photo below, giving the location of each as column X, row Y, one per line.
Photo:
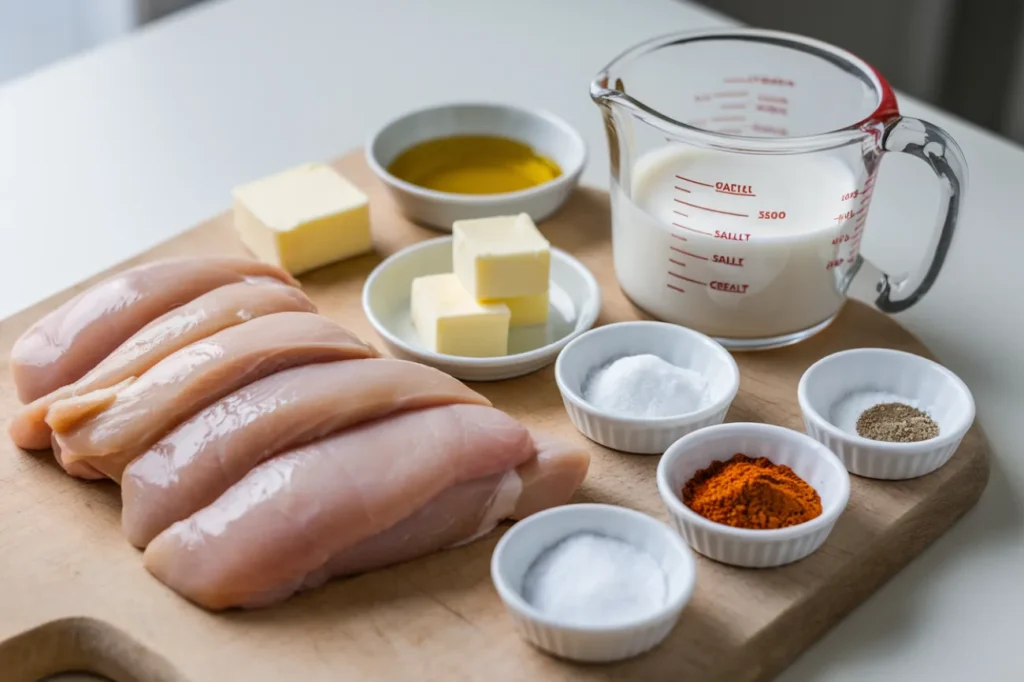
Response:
column 501, row 257
column 526, row 310
column 450, row 321
column 303, row 218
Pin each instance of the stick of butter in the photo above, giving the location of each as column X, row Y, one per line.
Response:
column 501, row 257
column 303, row 218
column 450, row 321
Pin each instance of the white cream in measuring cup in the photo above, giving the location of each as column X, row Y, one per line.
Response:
column 735, row 246
column 742, row 167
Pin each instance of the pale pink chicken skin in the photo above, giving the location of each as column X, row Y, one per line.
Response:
column 68, row 342
column 373, row 495
column 207, row 314
column 195, row 463
column 109, row 427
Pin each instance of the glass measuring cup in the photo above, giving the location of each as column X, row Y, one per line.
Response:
column 742, row 168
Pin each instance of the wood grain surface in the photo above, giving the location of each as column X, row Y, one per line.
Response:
column 76, row 597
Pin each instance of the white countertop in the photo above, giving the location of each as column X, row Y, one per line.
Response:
column 109, row 153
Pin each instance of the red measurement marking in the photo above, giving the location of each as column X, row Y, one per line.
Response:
column 713, row 210
column 682, row 291
column 685, row 215
column 682, row 189
column 730, row 93
column 691, row 229
column 676, row 262
column 850, row 195
column 729, row 287
column 689, row 279
column 763, row 80
column 735, row 194
column 772, row 109
column 770, row 130
column 728, row 119
column 680, row 238
column 732, row 105
column 772, row 98
column 696, row 182
column 728, row 260
column 687, row 253
column 702, row 97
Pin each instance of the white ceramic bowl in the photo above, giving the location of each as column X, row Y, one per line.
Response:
column 544, row 132
column 528, row 539
column 829, row 388
column 808, row 458
column 678, row 345
column 575, row 303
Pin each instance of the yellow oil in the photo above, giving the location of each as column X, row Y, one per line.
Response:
column 473, row 164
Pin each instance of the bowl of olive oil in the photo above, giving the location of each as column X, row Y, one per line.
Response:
column 462, row 161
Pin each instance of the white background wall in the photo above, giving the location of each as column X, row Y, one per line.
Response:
column 35, row 33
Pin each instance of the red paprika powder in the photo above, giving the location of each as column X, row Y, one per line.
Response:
column 744, row 492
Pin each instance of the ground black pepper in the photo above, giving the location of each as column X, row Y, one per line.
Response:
column 896, row 423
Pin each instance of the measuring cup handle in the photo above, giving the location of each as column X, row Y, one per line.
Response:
column 934, row 146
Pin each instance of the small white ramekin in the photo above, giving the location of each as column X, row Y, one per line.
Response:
column 544, row 132
column 527, row 540
column 752, row 548
column 681, row 346
column 918, row 381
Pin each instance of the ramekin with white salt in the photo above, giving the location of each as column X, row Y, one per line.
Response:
column 593, row 582
column 837, row 389
column 640, row 386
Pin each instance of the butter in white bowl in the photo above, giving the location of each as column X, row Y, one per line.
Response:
column 448, row 320
column 574, row 303
column 505, row 259
column 303, row 218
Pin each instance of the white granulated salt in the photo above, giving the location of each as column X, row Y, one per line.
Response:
column 845, row 413
column 645, row 386
column 592, row 579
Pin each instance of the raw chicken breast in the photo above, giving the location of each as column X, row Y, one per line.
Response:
column 109, row 427
column 65, row 344
column 194, row 464
column 373, row 495
column 219, row 309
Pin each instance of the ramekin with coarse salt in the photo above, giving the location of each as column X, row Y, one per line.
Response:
column 526, row 541
column 837, row 380
column 753, row 548
column 680, row 346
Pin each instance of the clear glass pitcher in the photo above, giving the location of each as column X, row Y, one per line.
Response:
column 742, row 168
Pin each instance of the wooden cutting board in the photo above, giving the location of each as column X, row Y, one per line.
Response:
column 76, row 597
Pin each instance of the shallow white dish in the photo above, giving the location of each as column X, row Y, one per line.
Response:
column 546, row 133
column 575, row 303
column 904, row 377
column 527, row 540
column 680, row 346
column 808, row 458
